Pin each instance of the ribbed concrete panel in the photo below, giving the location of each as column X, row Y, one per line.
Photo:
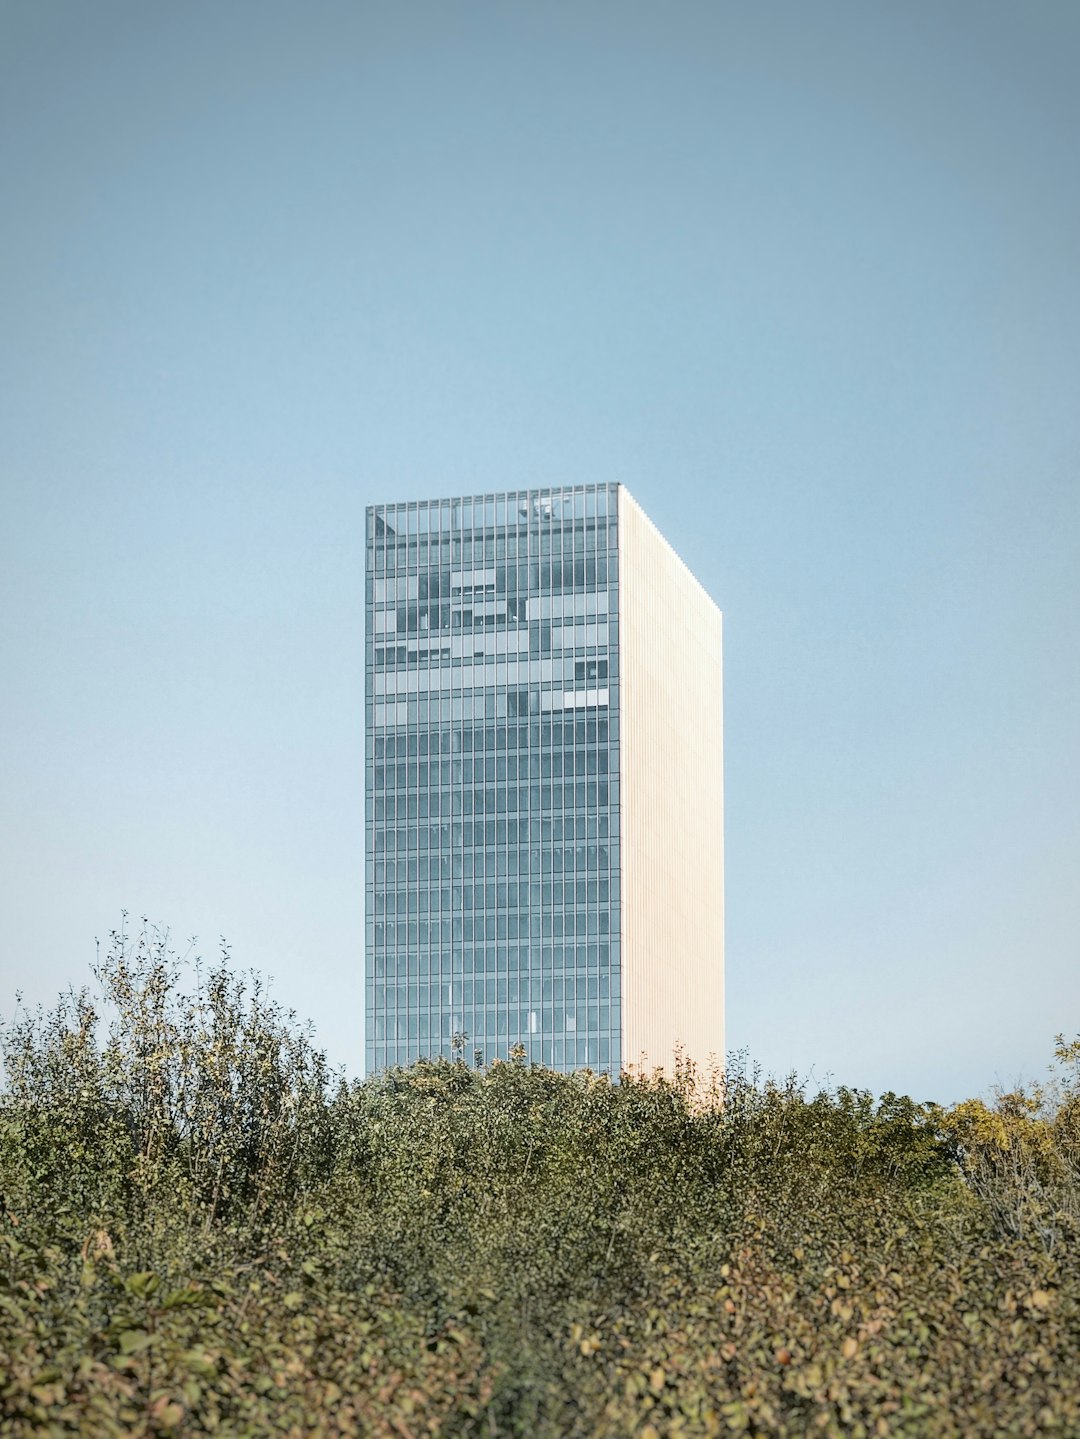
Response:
column 672, row 802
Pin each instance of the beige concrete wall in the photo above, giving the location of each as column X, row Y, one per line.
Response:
column 672, row 802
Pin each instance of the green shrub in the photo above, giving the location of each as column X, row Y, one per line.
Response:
column 205, row 1232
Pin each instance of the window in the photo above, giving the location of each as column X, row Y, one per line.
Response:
column 591, row 670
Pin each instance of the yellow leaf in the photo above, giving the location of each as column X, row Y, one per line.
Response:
column 849, row 1348
column 657, row 1379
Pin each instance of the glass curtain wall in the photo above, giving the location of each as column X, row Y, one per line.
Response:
column 492, row 779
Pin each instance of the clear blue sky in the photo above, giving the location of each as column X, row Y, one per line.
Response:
column 805, row 276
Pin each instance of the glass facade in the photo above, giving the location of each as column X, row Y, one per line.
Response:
column 492, row 779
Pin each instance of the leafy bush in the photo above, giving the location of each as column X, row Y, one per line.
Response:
column 205, row 1232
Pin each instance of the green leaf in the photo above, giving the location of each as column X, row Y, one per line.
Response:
column 132, row 1341
column 199, row 1362
column 143, row 1284
column 180, row 1298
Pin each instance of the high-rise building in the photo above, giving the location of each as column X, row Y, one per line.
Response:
column 544, row 807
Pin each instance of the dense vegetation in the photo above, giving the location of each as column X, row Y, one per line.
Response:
column 202, row 1231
